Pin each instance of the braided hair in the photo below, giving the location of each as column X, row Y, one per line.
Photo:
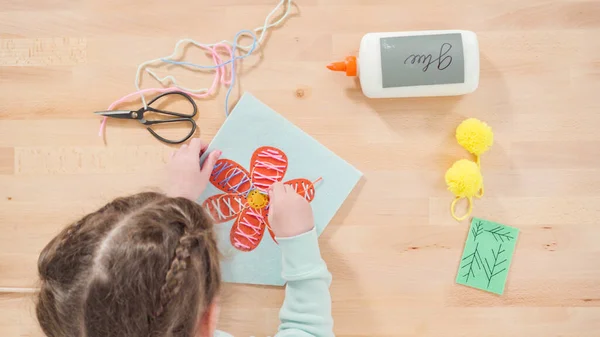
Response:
column 144, row 265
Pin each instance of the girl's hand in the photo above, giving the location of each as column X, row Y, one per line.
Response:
column 289, row 213
column 185, row 176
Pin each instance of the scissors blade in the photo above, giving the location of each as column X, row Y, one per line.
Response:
column 125, row 114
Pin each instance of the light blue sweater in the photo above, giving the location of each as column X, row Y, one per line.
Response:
column 306, row 310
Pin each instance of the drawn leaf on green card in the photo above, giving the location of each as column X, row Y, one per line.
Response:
column 497, row 262
column 487, row 256
column 477, row 229
column 500, row 234
column 472, row 260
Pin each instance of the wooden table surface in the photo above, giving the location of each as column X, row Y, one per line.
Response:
column 393, row 248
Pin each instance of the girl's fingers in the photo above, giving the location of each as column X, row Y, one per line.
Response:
column 196, row 145
column 270, row 192
column 270, row 211
column 277, row 189
column 203, row 146
column 210, row 162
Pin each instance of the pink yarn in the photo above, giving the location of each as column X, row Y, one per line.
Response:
column 221, row 77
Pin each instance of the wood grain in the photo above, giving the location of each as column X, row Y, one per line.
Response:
column 7, row 160
column 393, row 249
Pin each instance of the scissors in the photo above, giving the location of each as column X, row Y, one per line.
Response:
column 139, row 115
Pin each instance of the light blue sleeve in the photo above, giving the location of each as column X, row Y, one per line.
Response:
column 306, row 310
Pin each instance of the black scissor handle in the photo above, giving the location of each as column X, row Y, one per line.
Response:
column 172, row 113
column 181, row 117
column 174, row 120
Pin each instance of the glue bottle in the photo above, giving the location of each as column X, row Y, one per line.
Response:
column 415, row 64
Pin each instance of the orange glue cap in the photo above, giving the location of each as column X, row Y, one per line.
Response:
column 348, row 65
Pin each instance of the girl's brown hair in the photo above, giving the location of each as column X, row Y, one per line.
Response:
column 144, row 265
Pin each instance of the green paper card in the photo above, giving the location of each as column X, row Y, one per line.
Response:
column 487, row 256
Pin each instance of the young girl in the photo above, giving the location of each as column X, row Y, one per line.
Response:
column 148, row 265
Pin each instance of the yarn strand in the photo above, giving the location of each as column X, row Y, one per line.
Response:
column 453, row 208
column 169, row 82
column 481, row 190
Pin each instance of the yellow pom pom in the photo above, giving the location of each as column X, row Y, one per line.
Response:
column 475, row 136
column 464, row 178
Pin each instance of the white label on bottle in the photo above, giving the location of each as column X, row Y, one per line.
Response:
column 422, row 60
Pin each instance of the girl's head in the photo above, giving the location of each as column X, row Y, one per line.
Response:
column 144, row 265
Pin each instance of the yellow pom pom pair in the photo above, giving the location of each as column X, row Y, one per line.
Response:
column 464, row 178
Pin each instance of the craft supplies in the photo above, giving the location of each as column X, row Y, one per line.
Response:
column 465, row 181
column 487, row 256
column 414, row 64
column 476, row 137
column 140, row 114
column 464, row 178
column 215, row 50
column 231, row 82
column 260, row 147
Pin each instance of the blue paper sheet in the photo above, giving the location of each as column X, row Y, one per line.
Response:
column 252, row 134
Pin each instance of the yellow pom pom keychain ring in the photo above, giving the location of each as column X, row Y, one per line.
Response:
column 464, row 178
